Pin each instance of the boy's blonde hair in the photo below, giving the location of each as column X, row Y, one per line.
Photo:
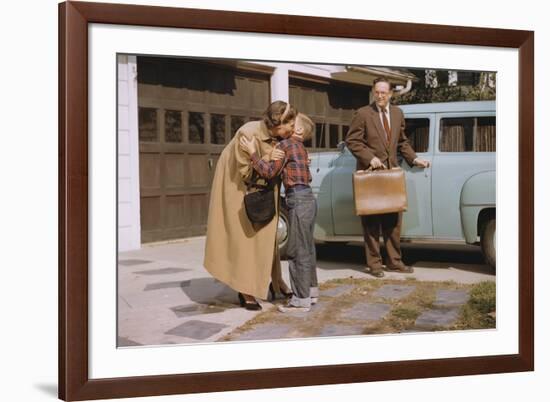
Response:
column 307, row 124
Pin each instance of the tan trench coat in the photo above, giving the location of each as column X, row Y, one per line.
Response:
column 238, row 253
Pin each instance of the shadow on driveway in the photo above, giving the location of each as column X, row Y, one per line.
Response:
column 437, row 256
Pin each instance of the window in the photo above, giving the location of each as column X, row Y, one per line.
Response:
column 147, row 124
column 217, row 129
column 333, row 135
column 345, row 130
column 172, row 126
column 236, row 123
column 486, row 139
column 418, row 133
column 196, row 128
column 308, row 143
column 320, row 141
column 468, row 134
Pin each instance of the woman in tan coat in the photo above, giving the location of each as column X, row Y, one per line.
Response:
column 239, row 253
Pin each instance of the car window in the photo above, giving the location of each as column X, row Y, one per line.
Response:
column 467, row 134
column 327, row 136
column 418, row 133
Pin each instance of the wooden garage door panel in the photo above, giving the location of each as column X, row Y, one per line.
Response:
column 241, row 87
column 259, row 90
column 198, row 212
column 330, row 105
column 214, row 158
column 150, row 213
column 149, row 170
column 197, row 173
column 175, row 212
column 174, row 170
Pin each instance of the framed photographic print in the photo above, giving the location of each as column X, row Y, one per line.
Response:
column 166, row 113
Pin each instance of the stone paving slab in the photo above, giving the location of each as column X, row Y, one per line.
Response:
column 394, row 292
column 121, row 342
column 437, row 318
column 196, row 329
column 132, row 262
column 190, row 310
column 341, row 330
column 336, row 291
column 315, row 308
column 209, row 291
column 162, row 271
column 263, row 332
column 166, row 285
column 451, row 297
column 367, row 311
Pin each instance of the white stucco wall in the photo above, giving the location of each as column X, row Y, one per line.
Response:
column 129, row 228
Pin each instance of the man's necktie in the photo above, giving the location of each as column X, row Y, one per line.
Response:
column 386, row 125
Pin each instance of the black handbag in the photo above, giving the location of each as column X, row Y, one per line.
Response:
column 260, row 203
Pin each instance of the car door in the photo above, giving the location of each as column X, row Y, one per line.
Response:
column 346, row 223
column 417, row 220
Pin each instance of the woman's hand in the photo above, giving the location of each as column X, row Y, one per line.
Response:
column 248, row 146
column 276, row 154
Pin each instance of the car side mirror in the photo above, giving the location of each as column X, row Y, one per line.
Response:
column 341, row 146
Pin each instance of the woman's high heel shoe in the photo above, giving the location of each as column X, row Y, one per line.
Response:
column 249, row 305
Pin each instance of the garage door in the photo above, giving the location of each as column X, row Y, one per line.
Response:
column 330, row 105
column 188, row 112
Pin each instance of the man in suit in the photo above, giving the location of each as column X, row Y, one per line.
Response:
column 376, row 133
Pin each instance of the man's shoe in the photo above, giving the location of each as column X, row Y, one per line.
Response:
column 403, row 269
column 314, row 300
column 377, row 272
column 289, row 308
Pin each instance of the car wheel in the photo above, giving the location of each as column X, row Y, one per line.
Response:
column 282, row 232
column 488, row 242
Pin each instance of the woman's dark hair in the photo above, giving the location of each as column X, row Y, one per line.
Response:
column 275, row 114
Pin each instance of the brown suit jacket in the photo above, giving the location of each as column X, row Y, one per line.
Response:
column 366, row 137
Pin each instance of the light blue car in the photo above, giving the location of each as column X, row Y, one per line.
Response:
column 453, row 201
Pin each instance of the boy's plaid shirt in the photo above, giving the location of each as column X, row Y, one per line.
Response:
column 295, row 163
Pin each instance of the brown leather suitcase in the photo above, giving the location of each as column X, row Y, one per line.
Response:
column 379, row 191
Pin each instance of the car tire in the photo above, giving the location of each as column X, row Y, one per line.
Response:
column 282, row 231
column 488, row 241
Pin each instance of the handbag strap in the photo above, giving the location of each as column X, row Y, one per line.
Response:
column 253, row 182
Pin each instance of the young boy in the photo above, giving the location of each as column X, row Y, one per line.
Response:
column 302, row 210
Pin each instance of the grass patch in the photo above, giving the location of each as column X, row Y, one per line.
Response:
column 403, row 317
column 480, row 311
column 404, row 313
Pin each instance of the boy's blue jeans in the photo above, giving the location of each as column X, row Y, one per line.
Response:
column 302, row 210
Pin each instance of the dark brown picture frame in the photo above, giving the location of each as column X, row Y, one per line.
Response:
column 74, row 381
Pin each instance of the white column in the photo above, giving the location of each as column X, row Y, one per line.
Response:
column 129, row 225
column 279, row 84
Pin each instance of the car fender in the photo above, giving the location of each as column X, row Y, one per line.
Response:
column 478, row 194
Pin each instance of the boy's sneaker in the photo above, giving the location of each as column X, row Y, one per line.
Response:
column 289, row 308
column 314, row 300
